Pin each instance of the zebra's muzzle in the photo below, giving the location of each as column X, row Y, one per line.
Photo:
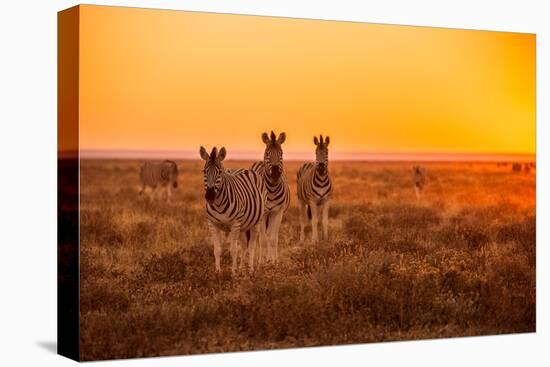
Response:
column 210, row 194
column 275, row 173
column 175, row 184
column 322, row 168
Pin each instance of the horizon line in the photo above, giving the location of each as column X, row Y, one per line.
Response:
column 303, row 155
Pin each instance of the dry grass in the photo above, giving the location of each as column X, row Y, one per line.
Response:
column 460, row 262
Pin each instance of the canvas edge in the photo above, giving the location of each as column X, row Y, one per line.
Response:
column 68, row 163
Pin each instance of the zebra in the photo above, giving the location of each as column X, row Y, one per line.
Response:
column 314, row 190
column 159, row 174
column 419, row 180
column 278, row 193
column 516, row 167
column 235, row 205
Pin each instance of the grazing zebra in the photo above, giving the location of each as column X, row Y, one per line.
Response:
column 235, row 205
column 419, row 179
column 314, row 190
column 278, row 193
column 159, row 174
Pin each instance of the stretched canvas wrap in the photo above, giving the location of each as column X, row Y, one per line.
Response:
column 233, row 183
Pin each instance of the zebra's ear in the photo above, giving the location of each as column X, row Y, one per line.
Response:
column 204, row 154
column 282, row 138
column 327, row 141
column 265, row 138
column 221, row 154
column 315, row 140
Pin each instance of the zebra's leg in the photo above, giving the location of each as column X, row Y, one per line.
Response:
column 262, row 235
column 267, row 251
column 276, row 226
column 245, row 246
column 151, row 194
column 168, row 193
column 263, row 244
column 234, row 236
column 252, row 244
column 314, row 220
column 325, row 209
column 303, row 219
column 417, row 191
column 216, row 241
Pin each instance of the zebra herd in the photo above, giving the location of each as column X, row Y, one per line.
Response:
column 246, row 206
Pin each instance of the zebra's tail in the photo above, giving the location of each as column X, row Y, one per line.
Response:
column 309, row 212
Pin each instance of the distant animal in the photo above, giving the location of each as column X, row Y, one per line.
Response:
column 315, row 190
column 516, row 167
column 235, row 206
column 419, row 180
column 526, row 168
column 158, row 175
column 271, row 169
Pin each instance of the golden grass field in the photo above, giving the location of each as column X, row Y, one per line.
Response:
column 459, row 262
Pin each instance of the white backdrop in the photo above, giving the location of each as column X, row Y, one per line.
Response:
column 28, row 182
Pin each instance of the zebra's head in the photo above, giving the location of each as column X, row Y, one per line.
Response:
column 273, row 156
column 321, row 154
column 213, row 169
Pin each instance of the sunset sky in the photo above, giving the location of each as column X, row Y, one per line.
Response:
column 170, row 80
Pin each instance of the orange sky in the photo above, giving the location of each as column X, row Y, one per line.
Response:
column 173, row 80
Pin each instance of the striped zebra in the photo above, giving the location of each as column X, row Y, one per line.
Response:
column 159, row 174
column 278, row 193
column 419, row 179
column 235, row 205
column 314, row 190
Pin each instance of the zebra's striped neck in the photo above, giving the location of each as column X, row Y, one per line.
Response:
column 321, row 180
column 319, row 176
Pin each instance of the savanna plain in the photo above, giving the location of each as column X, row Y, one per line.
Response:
column 458, row 262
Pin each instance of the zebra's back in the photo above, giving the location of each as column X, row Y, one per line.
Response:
column 258, row 167
column 306, row 167
column 159, row 173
